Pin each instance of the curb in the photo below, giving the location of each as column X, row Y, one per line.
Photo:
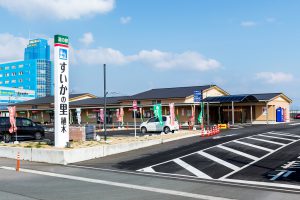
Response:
column 67, row 156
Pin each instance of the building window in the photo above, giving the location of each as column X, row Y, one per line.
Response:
column 6, row 82
column 6, row 74
column 21, row 66
column 21, row 73
column 13, row 73
column 20, row 80
column 1, row 82
column 13, row 81
column 1, row 75
column 21, row 87
column 1, row 68
column 13, row 67
column 7, row 67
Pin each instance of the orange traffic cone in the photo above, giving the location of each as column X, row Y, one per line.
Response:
column 18, row 162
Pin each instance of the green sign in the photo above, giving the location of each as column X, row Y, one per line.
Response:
column 61, row 39
column 158, row 112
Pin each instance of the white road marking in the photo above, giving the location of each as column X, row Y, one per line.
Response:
column 191, row 169
column 218, row 160
column 222, row 136
column 284, row 134
column 117, row 184
column 276, row 137
column 253, row 145
column 268, row 141
column 227, row 175
column 274, row 186
column 148, row 169
column 238, row 152
column 294, row 124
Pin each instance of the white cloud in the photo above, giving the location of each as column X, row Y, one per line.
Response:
column 155, row 58
column 11, row 47
column 248, row 23
column 274, row 77
column 100, row 56
column 60, row 9
column 87, row 39
column 125, row 20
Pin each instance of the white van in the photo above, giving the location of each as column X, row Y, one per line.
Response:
column 153, row 125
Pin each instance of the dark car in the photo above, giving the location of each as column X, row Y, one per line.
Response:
column 26, row 128
column 297, row 116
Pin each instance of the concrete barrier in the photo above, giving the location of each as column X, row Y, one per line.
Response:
column 66, row 156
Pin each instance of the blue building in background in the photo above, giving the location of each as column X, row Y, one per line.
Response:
column 35, row 72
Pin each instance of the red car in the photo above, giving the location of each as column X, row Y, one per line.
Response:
column 297, row 116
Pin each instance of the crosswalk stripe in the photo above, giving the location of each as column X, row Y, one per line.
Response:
column 258, row 139
column 284, row 134
column 238, row 152
column 276, row 137
column 191, row 169
column 218, row 160
column 253, row 145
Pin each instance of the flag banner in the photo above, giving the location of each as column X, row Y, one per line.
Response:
column 158, row 112
column 101, row 115
column 141, row 114
column 118, row 115
column 200, row 117
column 12, row 119
column 172, row 113
column 122, row 115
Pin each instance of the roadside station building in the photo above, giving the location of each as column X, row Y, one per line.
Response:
column 220, row 106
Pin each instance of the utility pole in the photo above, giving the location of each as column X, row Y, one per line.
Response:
column 104, row 79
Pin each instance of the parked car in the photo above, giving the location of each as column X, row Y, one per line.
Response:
column 153, row 125
column 26, row 128
column 297, row 116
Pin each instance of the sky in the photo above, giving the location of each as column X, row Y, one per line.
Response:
column 244, row 47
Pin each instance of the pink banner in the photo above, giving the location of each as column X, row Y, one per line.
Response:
column 101, row 115
column 172, row 113
column 121, row 115
column 12, row 120
column 118, row 115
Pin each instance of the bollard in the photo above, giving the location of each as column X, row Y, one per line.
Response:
column 18, row 162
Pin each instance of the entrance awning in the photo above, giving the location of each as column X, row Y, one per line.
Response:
column 231, row 98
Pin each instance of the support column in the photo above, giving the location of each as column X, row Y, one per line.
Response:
column 232, row 112
column 267, row 116
column 219, row 120
column 251, row 114
column 207, row 113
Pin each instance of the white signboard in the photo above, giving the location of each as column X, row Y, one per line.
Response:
column 61, row 90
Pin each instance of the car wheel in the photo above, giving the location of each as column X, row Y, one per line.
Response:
column 167, row 130
column 7, row 138
column 38, row 136
column 143, row 130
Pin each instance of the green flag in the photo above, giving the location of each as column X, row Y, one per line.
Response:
column 158, row 112
column 200, row 117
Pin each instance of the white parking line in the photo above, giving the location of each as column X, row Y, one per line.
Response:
column 253, row 145
column 238, row 152
column 147, row 169
column 276, row 137
column 218, row 160
column 284, row 134
column 191, row 169
column 268, row 141
column 295, row 124
column 117, row 184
